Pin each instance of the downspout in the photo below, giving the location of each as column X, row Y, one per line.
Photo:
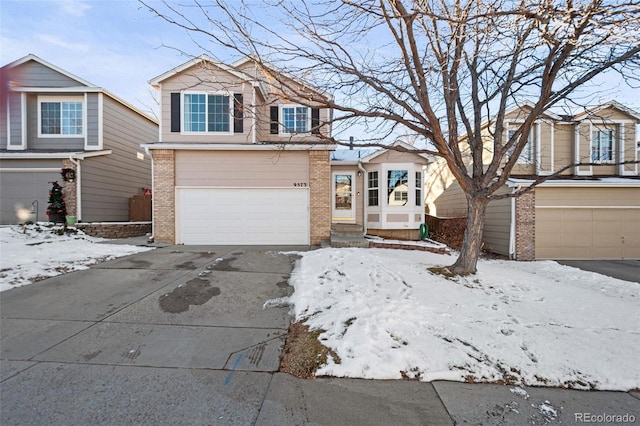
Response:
column 512, row 227
column 364, row 197
column 153, row 191
column 78, row 188
column 253, row 113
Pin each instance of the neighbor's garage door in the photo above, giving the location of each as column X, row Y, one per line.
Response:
column 610, row 230
column 251, row 216
column 20, row 189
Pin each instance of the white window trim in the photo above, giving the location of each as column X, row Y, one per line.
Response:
column 81, row 99
column 411, row 169
column 370, row 188
column 614, row 143
column 281, row 126
column 531, row 144
column 206, row 112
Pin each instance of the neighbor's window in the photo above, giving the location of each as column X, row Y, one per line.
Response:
column 206, row 112
column 526, row 156
column 295, row 119
column 418, row 188
column 397, row 187
column 372, row 184
column 602, row 145
column 61, row 118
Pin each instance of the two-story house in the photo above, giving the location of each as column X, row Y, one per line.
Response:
column 239, row 160
column 583, row 212
column 51, row 120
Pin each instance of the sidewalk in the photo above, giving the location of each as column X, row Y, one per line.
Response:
column 178, row 335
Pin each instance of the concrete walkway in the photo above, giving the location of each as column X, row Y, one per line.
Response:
column 178, row 336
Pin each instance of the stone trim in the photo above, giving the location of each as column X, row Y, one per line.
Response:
column 526, row 226
column 70, row 189
column 115, row 230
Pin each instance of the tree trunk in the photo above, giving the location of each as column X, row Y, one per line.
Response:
column 472, row 242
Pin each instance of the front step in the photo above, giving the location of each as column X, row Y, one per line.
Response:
column 342, row 242
column 347, row 230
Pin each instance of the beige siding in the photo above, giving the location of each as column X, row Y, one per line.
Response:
column 242, row 168
column 630, row 151
column 108, row 181
column 584, row 197
column 497, row 228
column 392, row 156
column 563, row 135
column 451, row 202
column 545, row 147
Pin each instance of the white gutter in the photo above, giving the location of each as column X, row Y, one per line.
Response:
column 287, row 146
column 512, row 226
column 364, row 197
column 153, row 189
column 253, row 112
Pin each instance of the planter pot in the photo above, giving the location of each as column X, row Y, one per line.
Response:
column 71, row 220
column 56, row 218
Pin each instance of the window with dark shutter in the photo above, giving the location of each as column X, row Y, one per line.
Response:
column 274, row 120
column 238, row 113
column 315, row 121
column 175, row 112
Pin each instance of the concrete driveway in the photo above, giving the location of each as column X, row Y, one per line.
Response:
column 627, row 270
column 178, row 336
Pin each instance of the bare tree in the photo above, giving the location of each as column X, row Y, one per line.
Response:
column 436, row 69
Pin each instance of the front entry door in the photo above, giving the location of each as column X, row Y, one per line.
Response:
column 344, row 208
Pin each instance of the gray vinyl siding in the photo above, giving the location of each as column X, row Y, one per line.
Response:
column 92, row 125
column 497, row 227
column 3, row 123
column 109, row 181
column 15, row 123
column 49, row 143
column 34, row 74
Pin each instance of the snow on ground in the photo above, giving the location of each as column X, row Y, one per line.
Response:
column 36, row 252
column 532, row 323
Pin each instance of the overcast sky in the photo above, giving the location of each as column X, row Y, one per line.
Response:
column 120, row 46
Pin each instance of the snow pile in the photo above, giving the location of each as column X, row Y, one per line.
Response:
column 36, row 252
column 535, row 323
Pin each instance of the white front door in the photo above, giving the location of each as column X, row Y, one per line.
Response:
column 343, row 194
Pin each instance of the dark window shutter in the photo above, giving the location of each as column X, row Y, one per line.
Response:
column 315, row 121
column 274, row 120
column 238, row 113
column 175, row 112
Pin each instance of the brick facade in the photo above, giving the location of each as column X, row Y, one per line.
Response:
column 164, row 203
column 70, row 190
column 526, row 226
column 320, row 196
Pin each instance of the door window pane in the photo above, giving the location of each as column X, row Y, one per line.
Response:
column 343, row 192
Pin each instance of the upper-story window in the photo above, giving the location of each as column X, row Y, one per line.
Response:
column 602, row 145
column 60, row 117
column 526, row 156
column 295, row 119
column 206, row 113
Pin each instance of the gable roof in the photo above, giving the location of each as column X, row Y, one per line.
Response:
column 611, row 104
column 196, row 61
column 365, row 155
column 32, row 57
column 401, row 144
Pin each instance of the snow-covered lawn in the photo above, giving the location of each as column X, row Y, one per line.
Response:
column 534, row 323
column 36, row 252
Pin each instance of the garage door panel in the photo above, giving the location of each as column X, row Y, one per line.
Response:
column 20, row 189
column 252, row 216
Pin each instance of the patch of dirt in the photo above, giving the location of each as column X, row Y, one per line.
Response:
column 303, row 353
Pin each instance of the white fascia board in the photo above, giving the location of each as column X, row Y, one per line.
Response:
column 239, row 147
column 195, row 61
column 37, row 155
column 601, row 183
column 84, row 155
column 32, row 57
column 75, row 89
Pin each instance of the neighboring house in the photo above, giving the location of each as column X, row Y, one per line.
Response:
column 379, row 191
column 237, row 161
column 50, row 120
column 585, row 212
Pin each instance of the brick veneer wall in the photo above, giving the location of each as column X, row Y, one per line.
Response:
column 320, row 196
column 164, row 202
column 526, row 226
column 115, row 229
column 70, row 190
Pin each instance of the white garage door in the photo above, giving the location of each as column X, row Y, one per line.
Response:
column 250, row 216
